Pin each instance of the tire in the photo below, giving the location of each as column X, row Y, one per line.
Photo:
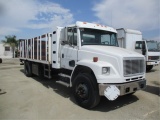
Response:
column 85, row 91
column 0, row 60
column 41, row 71
column 149, row 67
column 28, row 69
column 130, row 94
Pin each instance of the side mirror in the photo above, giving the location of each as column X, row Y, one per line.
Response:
column 143, row 48
column 143, row 45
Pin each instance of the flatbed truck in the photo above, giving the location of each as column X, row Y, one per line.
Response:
column 87, row 58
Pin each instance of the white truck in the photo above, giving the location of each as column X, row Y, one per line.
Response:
column 87, row 58
column 132, row 40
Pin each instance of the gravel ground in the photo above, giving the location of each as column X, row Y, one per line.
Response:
column 35, row 98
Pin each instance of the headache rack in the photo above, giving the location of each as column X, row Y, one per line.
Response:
column 37, row 49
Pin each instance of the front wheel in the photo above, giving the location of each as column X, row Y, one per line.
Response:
column 85, row 90
column 149, row 67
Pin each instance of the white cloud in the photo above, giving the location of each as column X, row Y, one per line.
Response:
column 4, row 30
column 134, row 14
column 34, row 14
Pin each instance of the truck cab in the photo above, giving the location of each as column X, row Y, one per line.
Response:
column 132, row 40
column 90, row 51
column 150, row 50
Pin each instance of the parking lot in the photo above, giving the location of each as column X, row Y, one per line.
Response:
column 35, row 98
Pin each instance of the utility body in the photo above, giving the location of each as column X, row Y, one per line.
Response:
column 132, row 40
column 87, row 58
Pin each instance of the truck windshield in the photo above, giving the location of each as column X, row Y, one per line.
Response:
column 152, row 46
column 98, row 37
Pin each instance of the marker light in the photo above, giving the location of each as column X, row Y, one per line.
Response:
column 95, row 59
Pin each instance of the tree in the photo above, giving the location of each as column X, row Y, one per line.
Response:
column 11, row 40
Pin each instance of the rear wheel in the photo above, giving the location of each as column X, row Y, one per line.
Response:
column 149, row 67
column 85, row 91
column 28, row 69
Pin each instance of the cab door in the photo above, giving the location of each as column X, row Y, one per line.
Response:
column 69, row 50
column 140, row 47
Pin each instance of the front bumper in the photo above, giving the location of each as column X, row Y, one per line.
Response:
column 125, row 88
column 152, row 62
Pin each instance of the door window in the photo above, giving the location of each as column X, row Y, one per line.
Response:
column 72, row 36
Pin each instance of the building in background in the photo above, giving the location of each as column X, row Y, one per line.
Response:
column 5, row 51
column 159, row 45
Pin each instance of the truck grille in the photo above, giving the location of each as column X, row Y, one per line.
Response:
column 154, row 57
column 133, row 66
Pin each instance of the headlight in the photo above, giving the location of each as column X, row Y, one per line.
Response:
column 106, row 70
column 149, row 57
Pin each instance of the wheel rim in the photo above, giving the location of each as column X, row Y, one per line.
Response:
column 82, row 91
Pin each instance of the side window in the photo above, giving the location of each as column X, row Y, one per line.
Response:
column 69, row 36
column 138, row 45
column 75, row 36
column 72, row 36
column 7, row 48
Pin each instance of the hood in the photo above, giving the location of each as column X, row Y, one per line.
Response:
column 111, row 50
column 153, row 53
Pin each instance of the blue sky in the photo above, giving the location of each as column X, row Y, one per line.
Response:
column 30, row 18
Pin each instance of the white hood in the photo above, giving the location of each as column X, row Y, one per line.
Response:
column 153, row 53
column 110, row 50
column 110, row 55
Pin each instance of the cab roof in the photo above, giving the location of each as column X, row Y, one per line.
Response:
column 93, row 26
